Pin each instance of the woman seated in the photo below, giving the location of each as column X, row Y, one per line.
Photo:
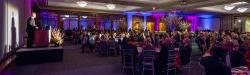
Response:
column 147, row 44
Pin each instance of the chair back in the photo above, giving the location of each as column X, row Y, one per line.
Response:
column 172, row 55
column 148, row 61
column 148, row 53
column 127, row 58
column 171, row 64
column 127, row 52
column 98, row 46
column 149, row 56
column 111, row 44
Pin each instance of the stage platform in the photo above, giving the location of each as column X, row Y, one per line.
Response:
column 25, row 56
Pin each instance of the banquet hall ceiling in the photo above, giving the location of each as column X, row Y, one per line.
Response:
column 92, row 5
column 140, row 5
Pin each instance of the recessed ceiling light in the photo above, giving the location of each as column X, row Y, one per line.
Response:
column 242, row 9
column 111, row 6
column 82, row 3
column 237, row 3
column 229, row 7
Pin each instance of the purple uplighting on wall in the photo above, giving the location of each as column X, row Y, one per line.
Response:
column 158, row 17
column 194, row 20
column 107, row 24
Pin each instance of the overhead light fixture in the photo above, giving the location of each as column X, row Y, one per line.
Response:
column 84, row 16
column 66, row 16
column 111, row 6
column 229, row 7
column 238, row 3
column 154, row 8
column 82, row 3
column 242, row 9
column 239, row 20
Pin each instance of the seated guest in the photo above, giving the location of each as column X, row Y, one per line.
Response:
column 201, row 42
column 84, row 42
column 247, row 54
column 140, row 37
column 185, row 50
column 124, row 42
column 147, row 45
column 214, row 65
column 237, row 58
column 167, row 44
column 91, row 41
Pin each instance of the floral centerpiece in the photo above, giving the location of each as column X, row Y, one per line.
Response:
column 57, row 37
column 184, row 25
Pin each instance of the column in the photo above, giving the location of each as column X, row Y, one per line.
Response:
column 158, row 17
column 111, row 22
column 26, row 10
column 2, row 27
column 130, row 21
column 145, row 23
column 247, row 25
column 59, row 21
column 157, row 23
column 79, row 22
column 96, row 26
column 194, row 22
column 145, row 15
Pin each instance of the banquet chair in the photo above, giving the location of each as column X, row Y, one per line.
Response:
column 185, row 57
column 128, row 60
column 171, row 64
column 103, row 49
column 148, row 61
column 202, row 69
column 98, row 48
column 107, row 49
column 111, row 48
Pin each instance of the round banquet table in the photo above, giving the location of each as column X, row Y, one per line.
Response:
column 243, row 70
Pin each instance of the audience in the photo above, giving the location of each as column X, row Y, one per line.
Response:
column 221, row 50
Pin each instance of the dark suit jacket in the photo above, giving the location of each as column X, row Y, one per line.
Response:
column 214, row 66
column 237, row 59
column 31, row 25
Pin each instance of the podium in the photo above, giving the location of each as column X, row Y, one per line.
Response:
column 42, row 38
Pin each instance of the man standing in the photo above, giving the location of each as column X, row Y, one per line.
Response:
column 31, row 27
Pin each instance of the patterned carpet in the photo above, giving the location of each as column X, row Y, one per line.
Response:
column 76, row 63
